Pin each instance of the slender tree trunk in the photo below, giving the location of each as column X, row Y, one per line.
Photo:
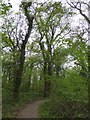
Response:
column 45, row 79
column 29, row 84
column 44, row 67
column 29, row 81
column 49, row 69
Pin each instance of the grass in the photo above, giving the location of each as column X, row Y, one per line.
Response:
column 44, row 111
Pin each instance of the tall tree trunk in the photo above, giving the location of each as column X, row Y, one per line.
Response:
column 29, row 84
column 49, row 69
column 47, row 80
column 47, row 66
column 30, row 75
column 19, row 72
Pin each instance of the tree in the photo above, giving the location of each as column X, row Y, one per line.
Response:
column 17, row 40
column 19, row 72
column 78, row 6
column 48, row 38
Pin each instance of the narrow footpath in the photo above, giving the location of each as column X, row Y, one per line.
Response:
column 30, row 110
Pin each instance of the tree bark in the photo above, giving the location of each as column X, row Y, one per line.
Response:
column 45, row 78
column 18, row 77
column 19, row 72
column 29, row 84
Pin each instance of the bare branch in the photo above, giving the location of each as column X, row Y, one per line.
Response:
column 79, row 9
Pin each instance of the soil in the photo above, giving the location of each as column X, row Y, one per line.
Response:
column 30, row 110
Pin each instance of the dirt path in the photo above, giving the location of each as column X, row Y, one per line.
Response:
column 30, row 110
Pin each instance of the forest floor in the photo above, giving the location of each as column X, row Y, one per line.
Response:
column 30, row 110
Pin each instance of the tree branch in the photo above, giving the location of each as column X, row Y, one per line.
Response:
column 79, row 9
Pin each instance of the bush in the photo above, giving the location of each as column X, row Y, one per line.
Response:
column 69, row 97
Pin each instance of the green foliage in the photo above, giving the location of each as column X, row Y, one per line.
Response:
column 6, row 41
column 60, row 56
column 79, row 50
column 4, row 8
column 69, row 98
column 44, row 111
column 72, row 87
